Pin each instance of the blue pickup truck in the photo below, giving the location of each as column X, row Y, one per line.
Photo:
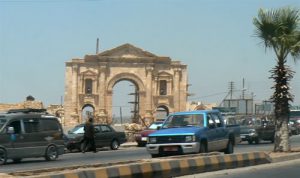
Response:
column 192, row 132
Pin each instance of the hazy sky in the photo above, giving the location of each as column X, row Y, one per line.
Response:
column 215, row 38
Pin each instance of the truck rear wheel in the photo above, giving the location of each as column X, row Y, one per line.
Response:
column 203, row 148
column 155, row 155
column 229, row 148
column 256, row 140
column 3, row 156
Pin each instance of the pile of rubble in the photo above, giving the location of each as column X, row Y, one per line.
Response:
column 131, row 129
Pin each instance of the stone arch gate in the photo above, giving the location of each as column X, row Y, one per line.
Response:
column 90, row 81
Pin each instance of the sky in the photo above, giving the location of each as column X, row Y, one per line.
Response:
column 214, row 38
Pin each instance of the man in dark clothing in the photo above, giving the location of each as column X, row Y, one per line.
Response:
column 89, row 136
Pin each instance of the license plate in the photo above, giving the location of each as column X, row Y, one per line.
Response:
column 144, row 138
column 243, row 136
column 171, row 148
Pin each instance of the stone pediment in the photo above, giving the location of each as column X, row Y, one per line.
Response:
column 126, row 51
column 164, row 74
column 88, row 73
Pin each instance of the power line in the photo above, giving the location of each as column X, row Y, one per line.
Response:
column 45, row 1
column 206, row 96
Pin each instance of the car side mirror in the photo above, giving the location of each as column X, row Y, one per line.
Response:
column 10, row 130
column 158, row 127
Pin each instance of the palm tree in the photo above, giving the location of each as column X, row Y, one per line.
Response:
column 279, row 30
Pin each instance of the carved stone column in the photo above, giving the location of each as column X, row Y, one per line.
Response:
column 102, row 114
column 176, row 91
column 149, row 94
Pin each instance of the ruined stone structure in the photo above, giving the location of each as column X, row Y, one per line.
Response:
column 159, row 81
column 23, row 105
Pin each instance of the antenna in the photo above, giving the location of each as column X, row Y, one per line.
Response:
column 97, row 46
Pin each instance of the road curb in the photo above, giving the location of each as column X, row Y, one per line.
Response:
column 168, row 167
column 290, row 156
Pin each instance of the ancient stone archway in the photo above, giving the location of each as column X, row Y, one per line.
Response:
column 159, row 80
column 161, row 112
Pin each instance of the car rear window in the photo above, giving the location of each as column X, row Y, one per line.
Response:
column 49, row 125
column 31, row 125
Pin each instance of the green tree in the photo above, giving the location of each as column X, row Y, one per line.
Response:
column 279, row 30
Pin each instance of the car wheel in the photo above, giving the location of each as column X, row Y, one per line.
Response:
column 155, row 155
column 250, row 141
column 229, row 148
column 3, row 156
column 256, row 140
column 82, row 147
column 141, row 144
column 18, row 160
column 203, row 148
column 114, row 145
column 51, row 153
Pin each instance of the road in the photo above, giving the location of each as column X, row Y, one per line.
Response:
column 288, row 169
column 113, row 156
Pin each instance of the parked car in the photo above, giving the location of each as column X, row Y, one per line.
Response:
column 142, row 137
column 295, row 122
column 255, row 130
column 105, row 136
column 191, row 132
column 294, row 126
column 233, row 125
column 28, row 133
column 295, row 119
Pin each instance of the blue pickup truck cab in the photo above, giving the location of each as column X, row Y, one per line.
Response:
column 197, row 131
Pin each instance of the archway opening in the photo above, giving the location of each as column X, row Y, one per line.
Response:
column 161, row 112
column 87, row 111
column 125, row 102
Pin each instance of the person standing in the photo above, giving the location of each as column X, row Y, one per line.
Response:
column 89, row 136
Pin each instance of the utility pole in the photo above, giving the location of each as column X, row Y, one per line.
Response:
column 97, row 46
column 243, row 90
column 61, row 100
column 121, row 115
column 231, row 88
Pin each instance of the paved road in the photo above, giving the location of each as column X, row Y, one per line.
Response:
column 288, row 169
column 113, row 156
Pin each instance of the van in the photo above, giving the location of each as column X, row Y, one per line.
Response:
column 30, row 133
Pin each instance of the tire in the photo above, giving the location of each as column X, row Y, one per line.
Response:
column 229, row 149
column 203, row 148
column 141, row 144
column 155, row 155
column 51, row 153
column 18, row 160
column 256, row 140
column 3, row 156
column 82, row 147
column 114, row 145
column 250, row 141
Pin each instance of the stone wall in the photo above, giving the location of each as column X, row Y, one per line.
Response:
column 23, row 105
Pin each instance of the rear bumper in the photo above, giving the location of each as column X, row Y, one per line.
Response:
column 247, row 137
column 193, row 147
